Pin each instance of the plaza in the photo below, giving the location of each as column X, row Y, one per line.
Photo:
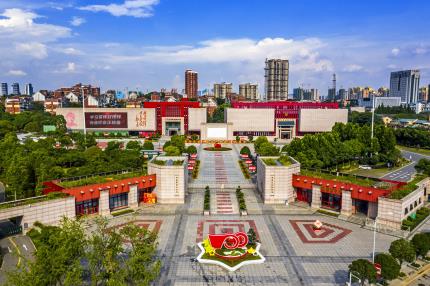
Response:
column 294, row 254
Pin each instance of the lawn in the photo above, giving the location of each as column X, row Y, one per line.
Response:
column 100, row 179
column 425, row 152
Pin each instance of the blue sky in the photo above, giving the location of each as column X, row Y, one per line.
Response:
column 147, row 44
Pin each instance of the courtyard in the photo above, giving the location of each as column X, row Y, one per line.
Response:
column 294, row 254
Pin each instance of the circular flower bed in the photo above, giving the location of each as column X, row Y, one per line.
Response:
column 217, row 147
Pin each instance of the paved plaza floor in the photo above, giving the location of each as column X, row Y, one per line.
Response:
column 219, row 168
column 294, row 256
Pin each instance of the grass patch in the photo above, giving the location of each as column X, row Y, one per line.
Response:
column 365, row 182
column 50, row 196
column 100, row 179
column 408, row 188
column 122, row 212
column 231, row 263
column 415, row 150
column 281, row 161
column 244, row 169
column 324, row 212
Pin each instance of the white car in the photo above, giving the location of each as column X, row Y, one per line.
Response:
column 365, row 167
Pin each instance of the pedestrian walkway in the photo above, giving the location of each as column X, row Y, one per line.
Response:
column 219, row 168
column 224, row 203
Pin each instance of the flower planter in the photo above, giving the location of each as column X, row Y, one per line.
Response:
column 243, row 213
column 206, row 213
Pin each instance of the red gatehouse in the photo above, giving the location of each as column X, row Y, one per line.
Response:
column 339, row 195
column 172, row 117
column 107, row 196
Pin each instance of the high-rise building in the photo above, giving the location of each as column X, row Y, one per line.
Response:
column 405, row 84
column 15, row 89
column 191, row 83
column 311, row 94
column 276, row 79
column 221, row 90
column 343, row 94
column 298, row 93
column 4, row 89
column 249, row 91
column 331, row 95
column 29, row 89
column 423, row 95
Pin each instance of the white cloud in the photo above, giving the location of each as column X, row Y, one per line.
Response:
column 70, row 51
column 19, row 24
column 16, row 73
column 71, row 67
column 353, row 68
column 132, row 8
column 395, row 51
column 35, row 50
column 302, row 54
column 77, row 21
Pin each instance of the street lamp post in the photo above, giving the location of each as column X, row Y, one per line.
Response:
column 350, row 278
column 374, row 241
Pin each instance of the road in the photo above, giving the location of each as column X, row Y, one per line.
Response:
column 404, row 174
column 16, row 250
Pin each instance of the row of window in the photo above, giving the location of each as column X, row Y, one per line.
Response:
column 412, row 206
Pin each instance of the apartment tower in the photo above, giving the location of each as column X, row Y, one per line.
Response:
column 276, row 79
column 191, row 84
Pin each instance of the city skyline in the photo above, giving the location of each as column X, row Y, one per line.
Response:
column 145, row 45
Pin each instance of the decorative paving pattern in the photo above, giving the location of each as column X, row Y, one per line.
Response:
column 223, row 203
column 329, row 233
column 220, row 173
column 149, row 224
column 205, row 227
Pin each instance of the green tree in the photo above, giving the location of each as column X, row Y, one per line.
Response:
column 423, row 166
column 191, row 149
column 57, row 258
column 268, row 149
column 421, row 243
column 250, row 138
column 133, row 145
column 142, row 267
column 172, row 151
column 178, row 141
column 245, row 150
column 364, row 270
column 237, row 138
column 103, row 254
column 257, row 143
column 5, row 127
column 390, row 268
column 402, row 250
column 148, row 145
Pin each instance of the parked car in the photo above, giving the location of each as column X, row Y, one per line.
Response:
column 365, row 167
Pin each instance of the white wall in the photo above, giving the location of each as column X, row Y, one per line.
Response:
column 321, row 120
column 252, row 119
column 196, row 116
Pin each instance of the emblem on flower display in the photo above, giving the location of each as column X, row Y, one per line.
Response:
column 230, row 250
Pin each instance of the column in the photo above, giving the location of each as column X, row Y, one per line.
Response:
column 346, row 203
column 316, row 197
column 133, row 201
column 104, row 202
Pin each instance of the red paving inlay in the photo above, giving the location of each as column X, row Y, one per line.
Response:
column 318, row 238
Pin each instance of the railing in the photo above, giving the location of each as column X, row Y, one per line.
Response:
column 31, row 200
column 382, row 228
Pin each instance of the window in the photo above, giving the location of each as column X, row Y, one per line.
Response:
column 419, row 200
column 415, row 204
column 87, row 207
column 410, row 207
column 406, row 211
column 117, row 201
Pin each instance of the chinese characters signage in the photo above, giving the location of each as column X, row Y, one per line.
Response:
column 106, row 120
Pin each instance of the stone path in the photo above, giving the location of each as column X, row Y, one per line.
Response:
column 219, row 168
column 224, row 202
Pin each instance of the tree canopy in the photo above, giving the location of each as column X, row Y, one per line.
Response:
column 390, row 268
column 65, row 253
column 364, row 270
column 345, row 143
column 402, row 250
